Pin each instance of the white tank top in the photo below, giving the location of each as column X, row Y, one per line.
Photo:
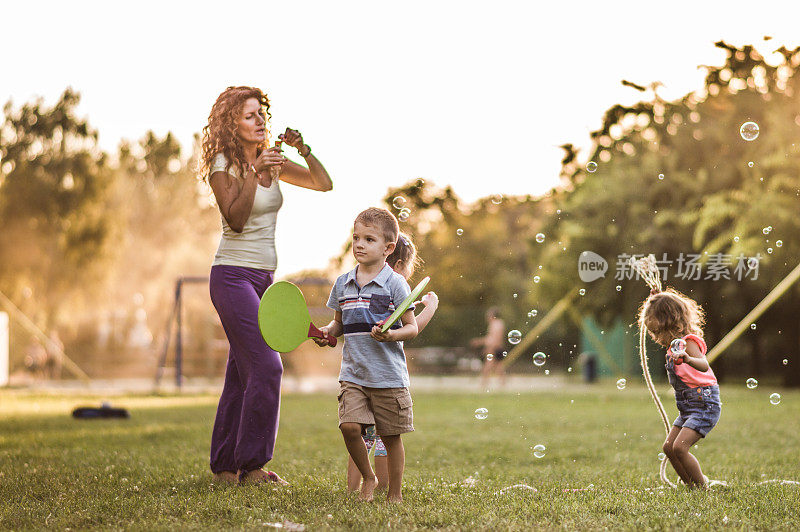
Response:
column 254, row 247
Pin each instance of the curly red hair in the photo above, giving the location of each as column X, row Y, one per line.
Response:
column 219, row 135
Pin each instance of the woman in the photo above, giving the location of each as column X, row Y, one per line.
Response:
column 243, row 173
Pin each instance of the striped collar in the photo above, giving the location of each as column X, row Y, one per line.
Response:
column 380, row 279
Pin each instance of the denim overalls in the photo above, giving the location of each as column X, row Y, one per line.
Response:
column 698, row 408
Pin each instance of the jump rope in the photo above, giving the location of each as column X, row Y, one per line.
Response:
column 648, row 270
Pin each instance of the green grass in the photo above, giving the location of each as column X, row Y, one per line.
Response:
column 150, row 472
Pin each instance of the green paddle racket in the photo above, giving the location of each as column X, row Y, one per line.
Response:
column 399, row 311
column 284, row 319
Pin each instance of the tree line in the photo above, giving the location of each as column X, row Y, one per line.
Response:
column 85, row 231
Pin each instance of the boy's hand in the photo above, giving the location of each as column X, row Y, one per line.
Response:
column 381, row 336
column 322, row 342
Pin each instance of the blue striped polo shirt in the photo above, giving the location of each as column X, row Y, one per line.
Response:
column 366, row 361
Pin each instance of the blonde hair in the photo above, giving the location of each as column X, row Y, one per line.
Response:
column 381, row 219
column 405, row 252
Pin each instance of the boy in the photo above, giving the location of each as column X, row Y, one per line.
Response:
column 493, row 343
column 374, row 376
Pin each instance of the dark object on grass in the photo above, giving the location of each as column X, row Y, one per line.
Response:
column 105, row 411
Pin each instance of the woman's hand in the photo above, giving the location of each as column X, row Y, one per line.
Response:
column 269, row 158
column 292, row 137
column 381, row 336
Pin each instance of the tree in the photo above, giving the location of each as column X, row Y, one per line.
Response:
column 57, row 236
column 677, row 177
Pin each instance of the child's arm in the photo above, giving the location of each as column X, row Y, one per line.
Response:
column 408, row 331
column 431, row 302
column 693, row 356
column 334, row 328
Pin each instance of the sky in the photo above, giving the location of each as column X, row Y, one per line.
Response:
column 473, row 95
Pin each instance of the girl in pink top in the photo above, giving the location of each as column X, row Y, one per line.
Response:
column 675, row 320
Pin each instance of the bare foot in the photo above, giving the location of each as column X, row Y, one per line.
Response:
column 368, row 488
column 394, row 498
column 227, row 477
column 258, row 476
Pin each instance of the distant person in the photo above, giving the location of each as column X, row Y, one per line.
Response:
column 492, row 347
column 55, row 355
column 588, row 362
column 374, row 376
column 36, row 358
column 669, row 315
column 242, row 171
column 403, row 260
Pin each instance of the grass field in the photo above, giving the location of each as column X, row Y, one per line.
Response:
column 150, row 472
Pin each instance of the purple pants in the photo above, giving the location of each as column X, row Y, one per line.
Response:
column 247, row 416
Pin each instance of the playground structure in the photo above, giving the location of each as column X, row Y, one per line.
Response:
column 308, row 355
column 175, row 321
column 25, row 322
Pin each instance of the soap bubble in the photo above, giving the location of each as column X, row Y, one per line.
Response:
column 769, row 251
column 547, row 372
column 591, row 167
column 497, row 199
column 621, row 384
column 398, row 202
column 539, row 359
column 775, row 398
column 749, row 131
column 767, row 230
column 540, row 237
column 752, row 263
column 751, row 383
column 661, row 456
column 736, row 239
column 514, row 336
column 459, row 231
column 750, row 164
column 481, row 413
column 538, row 451
column 785, row 361
column 678, row 346
column 661, row 176
column 582, row 291
column 533, row 313
column 753, row 326
column 536, row 278
column 619, row 288
column 489, row 356
column 420, row 182
column 404, row 213
column 778, row 243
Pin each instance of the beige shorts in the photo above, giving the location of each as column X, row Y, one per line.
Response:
column 389, row 409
